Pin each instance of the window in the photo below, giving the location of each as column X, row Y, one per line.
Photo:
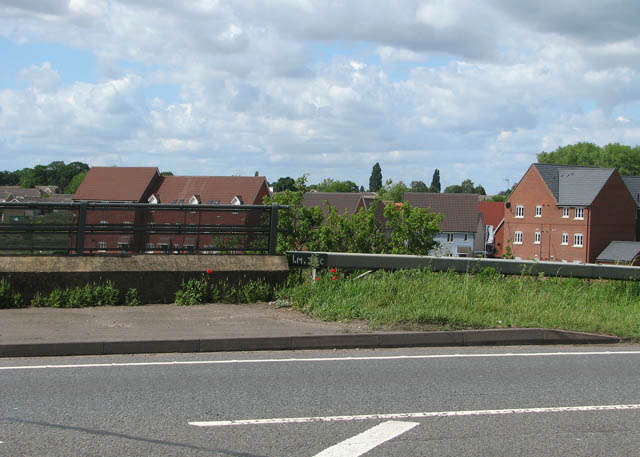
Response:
column 537, row 238
column 565, row 212
column 539, row 211
column 466, row 236
column 565, row 239
column 102, row 245
column 519, row 211
column 149, row 248
column 578, row 213
column 517, row 238
column 104, row 222
column 577, row 240
column 449, row 237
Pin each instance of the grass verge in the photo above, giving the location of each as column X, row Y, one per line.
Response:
column 448, row 301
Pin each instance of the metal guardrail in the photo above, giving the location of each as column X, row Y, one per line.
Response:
column 460, row 265
column 83, row 227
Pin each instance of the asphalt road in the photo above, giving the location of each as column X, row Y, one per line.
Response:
column 478, row 401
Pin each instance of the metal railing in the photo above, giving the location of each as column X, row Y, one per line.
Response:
column 82, row 228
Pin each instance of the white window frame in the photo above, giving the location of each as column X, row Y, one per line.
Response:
column 565, row 239
column 537, row 238
column 578, row 240
column 519, row 211
column 538, row 210
column 449, row 237
column 578, row 214
column 149, row 248
column 517, row 237
column 565, row 212
column 102, row 246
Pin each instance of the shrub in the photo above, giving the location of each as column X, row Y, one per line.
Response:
column 9, row 299
column 193, row 292
column 131, row 298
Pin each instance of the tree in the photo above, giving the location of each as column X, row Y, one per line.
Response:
column 419, row 186
column 75, row 183
column 331, row 185
column 412, row 229
column 614, row 155
column 282, row 184
column 375, row 180
column 166, row 173
column 361, row 188
column 435, row 182
column 466, row 187
column 393, row 192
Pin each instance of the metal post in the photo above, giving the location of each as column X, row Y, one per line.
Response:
column 82, row 221
column 273, row 229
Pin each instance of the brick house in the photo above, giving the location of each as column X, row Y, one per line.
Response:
column 203, row 190
column 462, row 226
column 493, row 215
column 146, row 185
column 568, row 213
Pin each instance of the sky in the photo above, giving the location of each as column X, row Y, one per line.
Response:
column 474, row 88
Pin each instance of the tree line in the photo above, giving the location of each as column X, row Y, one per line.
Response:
column 66, row 176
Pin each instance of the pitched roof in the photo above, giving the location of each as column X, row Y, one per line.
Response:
column 624, row 251
column 120, row 184
column 21, row 192
column 459, row 211
column 492, row 212
column 209, row 189
column 572, row 185
column 343, row 202
column 633, row 184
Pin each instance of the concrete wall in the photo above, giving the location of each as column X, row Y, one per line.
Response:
column 156, row 278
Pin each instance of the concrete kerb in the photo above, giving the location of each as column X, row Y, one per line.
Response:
column 494, row 337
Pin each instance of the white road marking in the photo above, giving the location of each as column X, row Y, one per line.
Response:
column 365, row 441
column 419, row 415
column 315, row 359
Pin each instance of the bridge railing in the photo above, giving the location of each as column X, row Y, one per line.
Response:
column 81, row 228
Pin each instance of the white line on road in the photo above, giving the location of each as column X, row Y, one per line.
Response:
column 314, row 359
column 419, row 415
column 365, row 441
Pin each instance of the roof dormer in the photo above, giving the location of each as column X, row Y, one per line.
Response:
column 153, row 200
column 237, row 200
column 194, row 200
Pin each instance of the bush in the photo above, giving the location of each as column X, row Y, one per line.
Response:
column 9, row 299
column 193, row 292
column 132, row 298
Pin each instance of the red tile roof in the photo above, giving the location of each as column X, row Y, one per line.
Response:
column 492, row 212
column 210, row 189
column 117, row 184
column 343, row 202
column 459, row 211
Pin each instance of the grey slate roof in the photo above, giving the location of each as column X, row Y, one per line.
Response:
column 459, row 211
column 623, row 251
column 343, row 202
column 633, row 184
column 572, row 185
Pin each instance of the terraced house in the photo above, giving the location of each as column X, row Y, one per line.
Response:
column 568, row 213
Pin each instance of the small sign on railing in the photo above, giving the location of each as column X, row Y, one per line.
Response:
column 306, row 259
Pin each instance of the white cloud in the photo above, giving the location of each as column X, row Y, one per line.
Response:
column 331, row 87
column 41, row 77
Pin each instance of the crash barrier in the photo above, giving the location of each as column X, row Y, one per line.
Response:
column 459, row 265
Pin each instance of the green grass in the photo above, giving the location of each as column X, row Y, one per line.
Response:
column 446, row 301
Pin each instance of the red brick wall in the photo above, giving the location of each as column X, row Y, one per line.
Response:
column 611, row 217
column 533, row 191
